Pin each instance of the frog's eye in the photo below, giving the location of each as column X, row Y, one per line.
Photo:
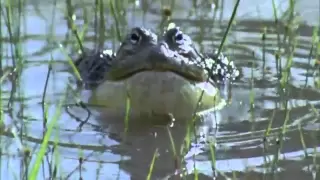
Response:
column 178, row 37
column 135, row 37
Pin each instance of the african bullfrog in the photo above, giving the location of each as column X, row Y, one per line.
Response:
column 156, row 76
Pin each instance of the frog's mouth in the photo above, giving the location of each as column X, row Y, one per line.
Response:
column 156, row 58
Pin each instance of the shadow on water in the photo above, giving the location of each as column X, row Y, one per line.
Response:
column 251, row 132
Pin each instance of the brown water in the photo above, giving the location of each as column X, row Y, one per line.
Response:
column 242, row 149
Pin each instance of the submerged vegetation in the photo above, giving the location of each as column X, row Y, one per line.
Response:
column 279, row 57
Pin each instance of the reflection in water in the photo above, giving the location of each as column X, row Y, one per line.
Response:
column 144, row 140
column 245, row 148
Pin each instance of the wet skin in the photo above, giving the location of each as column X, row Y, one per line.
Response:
column 141, row 51
column 161, row 77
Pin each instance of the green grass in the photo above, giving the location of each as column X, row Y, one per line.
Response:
column 52, row 123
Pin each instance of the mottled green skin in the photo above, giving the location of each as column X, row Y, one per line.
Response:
column 159, row 77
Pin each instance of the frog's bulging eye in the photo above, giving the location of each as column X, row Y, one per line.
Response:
column 135, row 38
column 178, row 38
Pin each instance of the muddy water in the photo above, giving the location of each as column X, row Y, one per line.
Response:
column 242, row 150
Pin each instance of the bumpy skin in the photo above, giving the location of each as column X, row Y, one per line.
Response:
column 94, row 65
column 159, row 77
column 222, row 68
column 141, row 51
column 148, row 54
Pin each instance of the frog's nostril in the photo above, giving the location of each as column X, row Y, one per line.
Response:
column 163, row 44
column 163, row 49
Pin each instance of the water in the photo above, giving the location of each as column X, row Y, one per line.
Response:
column 242, row 149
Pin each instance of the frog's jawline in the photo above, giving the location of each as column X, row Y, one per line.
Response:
column 132, row 73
